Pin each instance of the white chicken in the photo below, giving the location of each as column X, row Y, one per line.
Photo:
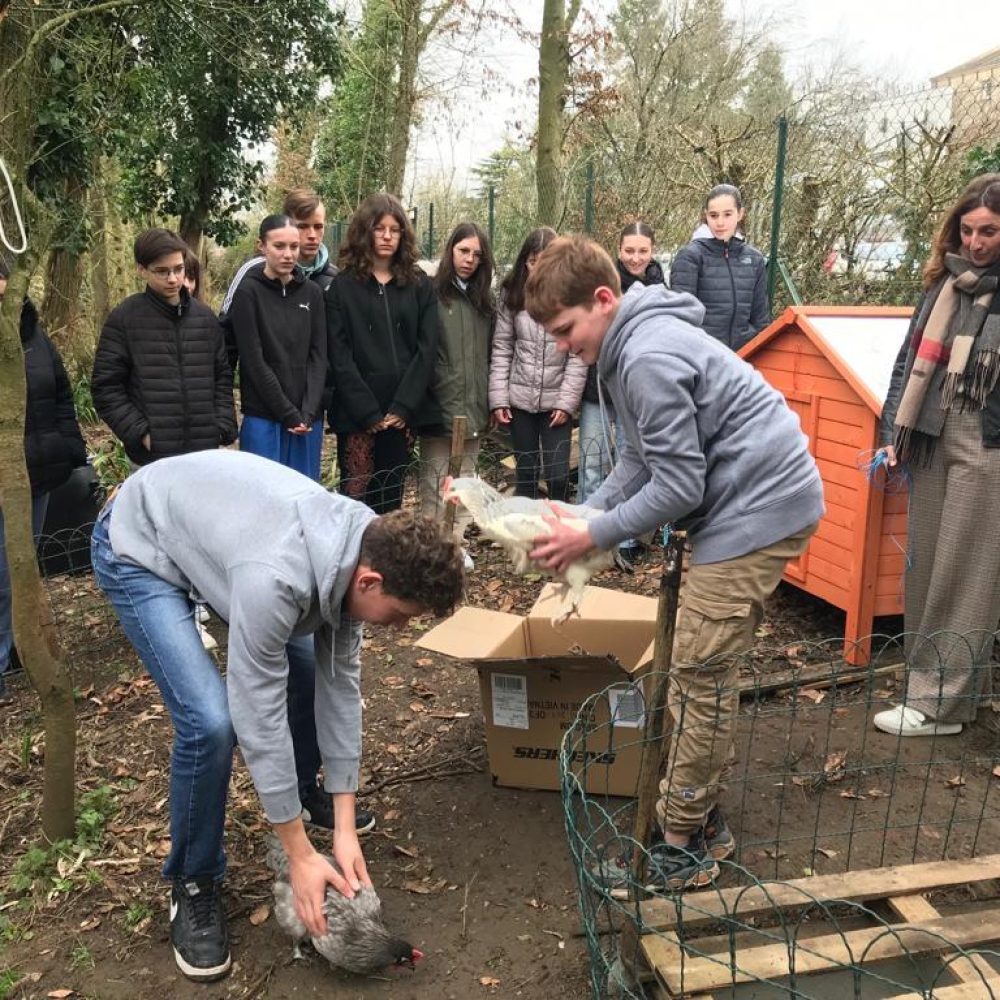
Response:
column 515, row 522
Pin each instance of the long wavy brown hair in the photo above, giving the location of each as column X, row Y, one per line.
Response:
column 356, row 255
column 983, row 191
column 480, row 290
column 512, row 289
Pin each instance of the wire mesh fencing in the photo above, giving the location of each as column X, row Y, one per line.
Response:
column 829, row 827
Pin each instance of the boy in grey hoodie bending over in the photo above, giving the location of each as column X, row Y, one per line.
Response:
column 294, row 570
column 712, row 449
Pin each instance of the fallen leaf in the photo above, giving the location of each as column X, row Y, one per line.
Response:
column 417, row 706
column 826, row 852
column 816, row 697
column 410, row 852
column 996, row 771
column 483, row 981
column 876, row 793
column 90, row 923
column 957, row 782
column 60, row 994
column 926, row 831
column 773, row 854
column 424, row 661
column 799, row 780
column 392, row 813
column 848, row 794
column 260, row 915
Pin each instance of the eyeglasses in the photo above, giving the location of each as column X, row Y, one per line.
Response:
column 167, row 272
column 466, row 252
column 392, row 231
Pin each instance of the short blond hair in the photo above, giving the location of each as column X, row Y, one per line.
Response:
column 566, row 274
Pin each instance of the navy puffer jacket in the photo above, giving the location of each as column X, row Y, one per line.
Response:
column 730, row 281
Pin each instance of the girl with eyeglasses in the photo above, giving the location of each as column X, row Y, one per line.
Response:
column 460, row 383
column 534, row 387
column 382, row 325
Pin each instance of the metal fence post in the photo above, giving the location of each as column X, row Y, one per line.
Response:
column 779, row 195
column 430, row 231
column 588, row 200
column 491, row 200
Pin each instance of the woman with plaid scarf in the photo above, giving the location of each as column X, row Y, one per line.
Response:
column 941, row 419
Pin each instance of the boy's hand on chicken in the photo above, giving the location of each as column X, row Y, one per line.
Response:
column 566, row 544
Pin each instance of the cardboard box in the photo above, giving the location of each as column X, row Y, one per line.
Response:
column 534, row 676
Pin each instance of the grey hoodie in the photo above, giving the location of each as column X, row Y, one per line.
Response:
column 709, row 446
column 273, row 553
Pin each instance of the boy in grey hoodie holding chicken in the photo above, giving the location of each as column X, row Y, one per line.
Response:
column 294, row 570
column 712, row 449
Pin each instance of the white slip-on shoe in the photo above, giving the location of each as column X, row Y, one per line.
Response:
column 902, row 721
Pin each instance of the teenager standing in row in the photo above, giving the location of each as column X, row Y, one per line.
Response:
column 460, row 383
column 727, row 275
column 382, row 323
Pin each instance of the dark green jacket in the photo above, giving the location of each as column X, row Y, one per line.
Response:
column 460, row 383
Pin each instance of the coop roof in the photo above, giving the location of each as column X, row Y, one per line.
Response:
column 987, row 63
column 861, row 342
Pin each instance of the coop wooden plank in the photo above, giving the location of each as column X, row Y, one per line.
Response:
column 912, row 909
column 697, row 909
column 822, row 675
column 682, row 974
column 981, row 990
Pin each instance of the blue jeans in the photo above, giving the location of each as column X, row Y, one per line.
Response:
column 595, row 459
column 39, row 505
column 269, row 439
column 158, row 619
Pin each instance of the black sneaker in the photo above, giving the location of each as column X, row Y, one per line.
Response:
column 317, row 813
column 198, row 929
column 673, row 869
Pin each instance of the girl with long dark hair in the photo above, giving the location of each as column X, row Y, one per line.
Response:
column 942, row 420
column 534, row 387
column 460, row 384
column 382, row 323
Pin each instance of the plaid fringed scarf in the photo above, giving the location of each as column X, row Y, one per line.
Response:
column 957, row 331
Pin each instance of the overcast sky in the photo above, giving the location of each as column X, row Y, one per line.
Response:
column 904, row 40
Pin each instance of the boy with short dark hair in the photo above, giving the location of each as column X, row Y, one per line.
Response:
column 294, row 570
column 712, row 449
column 161, row 380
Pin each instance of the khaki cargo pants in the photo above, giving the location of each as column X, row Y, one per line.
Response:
column 720, row 608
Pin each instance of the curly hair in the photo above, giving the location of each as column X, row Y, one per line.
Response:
column 418, row 559
column 983, row 191
column 355, row 254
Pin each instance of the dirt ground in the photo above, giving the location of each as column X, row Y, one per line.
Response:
column 479, row 878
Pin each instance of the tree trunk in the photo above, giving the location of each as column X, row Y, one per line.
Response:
column 553, row 76
column 99, row 281
column 34, row 628
column 408, row 12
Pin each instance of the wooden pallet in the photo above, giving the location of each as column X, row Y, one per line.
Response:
column 702, row 963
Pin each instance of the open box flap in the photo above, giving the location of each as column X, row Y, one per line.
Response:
column 476, row 633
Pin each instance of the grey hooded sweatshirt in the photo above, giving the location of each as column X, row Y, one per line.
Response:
column 273, row 553
column 709, row 446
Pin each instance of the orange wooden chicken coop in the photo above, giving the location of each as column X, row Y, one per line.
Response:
column 833, row 365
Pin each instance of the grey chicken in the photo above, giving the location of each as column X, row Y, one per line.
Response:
column 356, row 939
column 515, row 522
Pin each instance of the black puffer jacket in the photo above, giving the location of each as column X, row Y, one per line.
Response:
column 53, row 445
column 161, row 370
column 730, row 280
column 383, row 342
column 653, row 275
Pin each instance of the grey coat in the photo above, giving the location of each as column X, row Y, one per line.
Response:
column 730, row 281
column 527, row 370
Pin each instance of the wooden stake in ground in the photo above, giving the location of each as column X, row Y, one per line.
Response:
column 657, row 729
column 455, row 464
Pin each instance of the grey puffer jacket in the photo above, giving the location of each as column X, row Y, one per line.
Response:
column 528, row 372
column 730, row 281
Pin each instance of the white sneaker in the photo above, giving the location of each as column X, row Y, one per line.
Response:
column 902, row 721
column 467, row 561
column 206, row 639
